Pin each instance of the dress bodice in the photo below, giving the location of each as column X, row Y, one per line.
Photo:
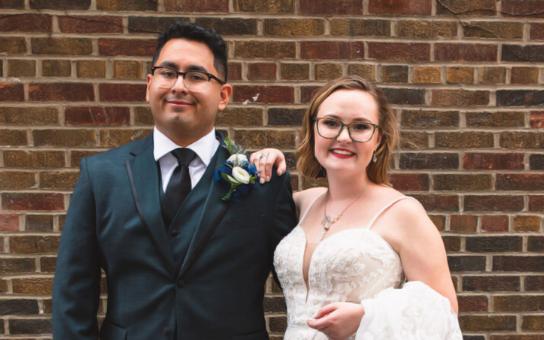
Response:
column 347, row 266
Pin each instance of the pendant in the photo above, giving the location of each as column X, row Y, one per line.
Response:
column 326, row 223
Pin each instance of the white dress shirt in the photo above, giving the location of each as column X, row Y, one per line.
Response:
column 204, row 148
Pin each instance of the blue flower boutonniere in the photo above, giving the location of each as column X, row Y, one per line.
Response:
column 237, row 172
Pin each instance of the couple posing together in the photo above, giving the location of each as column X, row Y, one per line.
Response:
column 181, row 262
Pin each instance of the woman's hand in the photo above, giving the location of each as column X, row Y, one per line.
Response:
column 265, row 159
column 338, row 320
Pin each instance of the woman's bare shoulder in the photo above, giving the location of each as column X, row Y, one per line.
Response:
column 305, row 197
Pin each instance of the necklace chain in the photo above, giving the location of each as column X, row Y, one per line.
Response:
column 327, row 222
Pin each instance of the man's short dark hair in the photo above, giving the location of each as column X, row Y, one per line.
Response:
column 193, row 32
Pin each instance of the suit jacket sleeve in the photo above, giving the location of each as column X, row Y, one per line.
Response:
column 76, row 286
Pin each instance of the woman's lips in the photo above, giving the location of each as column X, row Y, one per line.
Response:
column 342, row 153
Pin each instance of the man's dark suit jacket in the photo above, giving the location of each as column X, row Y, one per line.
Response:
column 203, row 281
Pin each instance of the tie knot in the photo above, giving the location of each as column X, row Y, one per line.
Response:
column 184, row 156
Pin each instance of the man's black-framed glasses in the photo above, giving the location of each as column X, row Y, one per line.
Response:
column 331, row 128
column 192, row 79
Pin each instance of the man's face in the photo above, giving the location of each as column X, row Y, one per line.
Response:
column 182, row 114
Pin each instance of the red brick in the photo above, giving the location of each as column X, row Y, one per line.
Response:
column 235, row 71
column 440, row 223
column 494, row 244
column 33, row 159
column 493, row 203
column 536, row 203
column 463, row 140
column 17, row 180
column 401, row 7
column 64, row 138
column 91, row 68
column 537, row 31
column 197, row 6
column 19, row 307
column 429, row 161
column 405, row 52
column 360, row 27
column 404, row 96
column 466, row 263
column 524, row 75
column 12, row 45
column 33, row 244
column 491, row 283
column 493, row 161
column 463, row 223
column 264, row 49
column 11, row 92
column 534, row 283
column 230, row 26
column 33, row 286
column 327, row 71
column 533, row 323
column 420, row 29
column 479, row 323
column 14, row 4
column 264, row 94
column 28, row 116
column 243, row 116
column 126, row 47
column 60, row 4
column 115, row 138
column 269, row 6
column 466, row 7
column 61, row 46
column 9, row 222
column 60, row 180
column 39, row 223
column 460, row 75
column 518, row 263
column 292, row 71
column 13, row 137
column 523, row 53
column 363, row 70
column 265, row 138
column 536, row 119
column 535, row 244
column 492, row 75
column 439, row 202
column 47, row 264
column 493, row 30
column 95, row 115
column 494, row 223
column 61, row 92
column 536, row 162
column 495, row 119
column 17, row 265
column 126, row 5
column 331, row 50
column 29, row 326
column 463, row 183
column 122, row 92
column 35, row 201
column 90, row 24
column 526, row 223
column 525, row 182
column 293, row 27
column 261, row 71
column 75, row 159
column 426, row 75
column 522, row 140
column 323, row 7
column 465, row 52
column 452, row 243
column 307, row 93
column 473, row 303
column 526, row 8
column 419, row 119
column 459, row 97
column 410, row 182
column 25, row 23
column 21, row 68
column 56, row 68
column 394, row 74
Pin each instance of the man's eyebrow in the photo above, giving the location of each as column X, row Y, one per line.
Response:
column 169, row 64
column 172, row 65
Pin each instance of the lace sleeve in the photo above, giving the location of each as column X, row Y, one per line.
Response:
column 413, row 312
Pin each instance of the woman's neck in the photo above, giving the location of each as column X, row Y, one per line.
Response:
column 347, row 187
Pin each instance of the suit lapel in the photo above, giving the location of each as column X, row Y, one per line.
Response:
column 144, row 179
column 209, row 217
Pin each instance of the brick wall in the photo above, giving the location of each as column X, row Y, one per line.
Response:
column 465, row 77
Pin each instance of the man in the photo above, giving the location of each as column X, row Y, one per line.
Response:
column 180, row 262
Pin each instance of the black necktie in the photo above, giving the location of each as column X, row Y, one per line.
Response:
column 179, row 185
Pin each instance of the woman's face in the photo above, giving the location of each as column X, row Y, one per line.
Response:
column 341, row 155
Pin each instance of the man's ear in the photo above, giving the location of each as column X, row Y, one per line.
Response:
column 149, row 77
column 225, row 93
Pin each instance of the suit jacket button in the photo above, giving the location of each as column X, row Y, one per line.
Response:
column 181, row 283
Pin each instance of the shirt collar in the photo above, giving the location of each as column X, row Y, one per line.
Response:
column 205, row 147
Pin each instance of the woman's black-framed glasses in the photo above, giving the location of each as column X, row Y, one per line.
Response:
column 358, row 131
column 192, row 79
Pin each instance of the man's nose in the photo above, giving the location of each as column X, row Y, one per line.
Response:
column 179, row 84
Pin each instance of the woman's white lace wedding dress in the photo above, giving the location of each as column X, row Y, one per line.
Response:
column 358, row 265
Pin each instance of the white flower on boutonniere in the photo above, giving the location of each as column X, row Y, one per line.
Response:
column 237, row 172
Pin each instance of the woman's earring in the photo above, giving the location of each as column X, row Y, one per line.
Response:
column 374, row 157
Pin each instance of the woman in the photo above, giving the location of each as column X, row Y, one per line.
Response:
column 359, row 237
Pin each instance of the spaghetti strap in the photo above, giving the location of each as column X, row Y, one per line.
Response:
column 303, row 216
column 387, row 206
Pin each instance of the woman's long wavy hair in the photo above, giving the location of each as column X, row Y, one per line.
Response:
column 377, row 171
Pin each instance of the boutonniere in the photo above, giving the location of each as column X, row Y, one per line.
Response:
column 237, row 172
